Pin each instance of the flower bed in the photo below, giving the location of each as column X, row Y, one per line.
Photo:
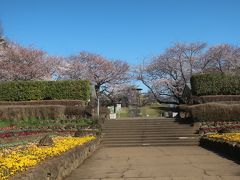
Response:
column 218, row 126
column 18, row 159
column 225, row 143
column 231, row 137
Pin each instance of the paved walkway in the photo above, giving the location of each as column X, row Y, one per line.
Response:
column 161, row 163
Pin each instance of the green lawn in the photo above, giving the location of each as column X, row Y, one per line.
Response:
column 5, row 123
column 146, row 111
column 37, row 122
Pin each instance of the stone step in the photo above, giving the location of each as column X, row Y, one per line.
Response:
column 156, row 122
column 149, row 135
column 148, row 131
column 148, row 140
column 151, row 144
column 153, row 137
column 147, row 125
column 151, row 132
column 141, row 119
column 144, row 122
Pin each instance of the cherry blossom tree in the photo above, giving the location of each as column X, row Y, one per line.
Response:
column 167, row 74
column 224, row 58
column 98, row 70
column 2, row 42
column 1, row 31
column 26, row 63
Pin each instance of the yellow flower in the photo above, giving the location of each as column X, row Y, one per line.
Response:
column 20, row 158
column 234, row 137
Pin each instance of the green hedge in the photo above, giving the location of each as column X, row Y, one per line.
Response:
column 41, row 112
column 67, row 102
column 226, row 99
column 44, row 90
column 213, row 112
column 215, row 84
column 48, row 112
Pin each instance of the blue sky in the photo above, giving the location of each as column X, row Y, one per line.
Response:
column 130, row 30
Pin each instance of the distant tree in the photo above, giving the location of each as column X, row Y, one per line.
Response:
column 102, row 72
column 112, row 94
column 2, row 41
column 1, row 31
column 167, row 74
column 223, row 58
column 21, row 63
column 147, row 98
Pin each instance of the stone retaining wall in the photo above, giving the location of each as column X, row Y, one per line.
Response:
column 230, row 149
column 56, row 168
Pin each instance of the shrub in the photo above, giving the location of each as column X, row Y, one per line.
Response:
column 215, row 112
column 184, row 111
column 226, row 99
column 78, row 103
column 44, row 90
column 50, row 112
column 215, row 84
column 41, row 112
column 71, row 89
column 75, row 112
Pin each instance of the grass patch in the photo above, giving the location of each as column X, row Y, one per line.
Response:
column 34, row 122
column 123, row 113
column 145, row 111
column 5, row 124
column 150, row 111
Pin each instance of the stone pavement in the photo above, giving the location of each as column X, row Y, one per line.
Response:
column 161, row 163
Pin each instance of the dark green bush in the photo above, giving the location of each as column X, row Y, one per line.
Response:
column 215, row 84
column 44, row 90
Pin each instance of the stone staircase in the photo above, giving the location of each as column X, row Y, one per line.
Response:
column 148, row 132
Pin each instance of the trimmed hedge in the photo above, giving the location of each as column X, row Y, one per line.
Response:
column 226, row 99
column 44, row 90
column 73, row 112
column 213, row 112
column 41, row 112
column 32, row 112
column 215, row 84
column 78, row 103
